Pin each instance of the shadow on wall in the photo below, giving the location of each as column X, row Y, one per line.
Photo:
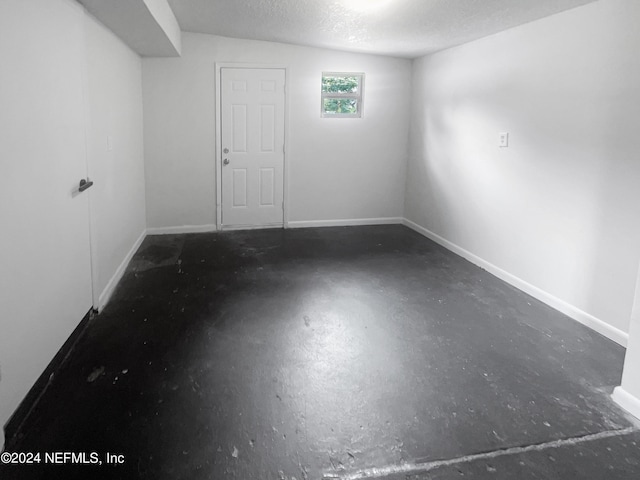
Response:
column 557, row 207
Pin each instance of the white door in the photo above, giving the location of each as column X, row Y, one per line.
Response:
column 252, row 147
column 45, row 264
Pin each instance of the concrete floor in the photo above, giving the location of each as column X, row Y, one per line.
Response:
column 330, row 353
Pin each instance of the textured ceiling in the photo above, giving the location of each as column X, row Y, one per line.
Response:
column 404, row 28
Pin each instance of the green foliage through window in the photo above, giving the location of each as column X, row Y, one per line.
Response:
column 340, row 84
column 340, row 105
column 342, row 94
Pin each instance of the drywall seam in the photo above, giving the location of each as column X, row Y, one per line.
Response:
column 627, row 401
column 572, row 311
column 113, row 282
column 346, row 222
column 181, row 229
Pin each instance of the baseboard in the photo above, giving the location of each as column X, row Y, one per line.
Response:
column 117, row 276
column 345, row 222
column 627, row 401
column 296, row 224
column 231, row 228
column 21, row 415
column 572, row 311
column 182, row 229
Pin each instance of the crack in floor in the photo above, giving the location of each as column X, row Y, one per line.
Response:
column 415, row 468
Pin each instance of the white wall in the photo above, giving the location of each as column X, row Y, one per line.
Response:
column 630, row 381
column 628, row 393
column 559, row 208
column 66, row 84
column 339, row 168
column 44, row 228
column 114, row 103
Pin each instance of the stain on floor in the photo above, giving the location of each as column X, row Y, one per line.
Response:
column 330, row 353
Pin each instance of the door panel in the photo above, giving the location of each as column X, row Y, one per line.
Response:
column 240, row 187
column 252, row 103
column 45, row 269
column 239, row 128
column 267, row 187
column 267, row 128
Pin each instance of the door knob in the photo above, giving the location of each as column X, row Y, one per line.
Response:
column 225, row 161
column 84, row 184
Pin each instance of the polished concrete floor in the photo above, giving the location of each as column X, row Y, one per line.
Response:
column 334, row 353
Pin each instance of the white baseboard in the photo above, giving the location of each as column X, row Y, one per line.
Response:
column 231, row 228
column 585, row 318
column 627, row 401
column 182, row 229
column 113, row 282
column 345, row 223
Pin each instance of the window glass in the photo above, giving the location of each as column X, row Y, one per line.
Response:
column 342, row 95
column 334, row 106
column 347, row 84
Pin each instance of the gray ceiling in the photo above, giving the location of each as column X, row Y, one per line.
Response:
column 403, row 28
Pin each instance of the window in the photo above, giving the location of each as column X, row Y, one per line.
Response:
column 342, row 95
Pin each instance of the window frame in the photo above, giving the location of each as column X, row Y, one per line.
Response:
column 358, row 97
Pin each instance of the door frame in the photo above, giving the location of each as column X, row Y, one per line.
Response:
column 93, row 222
column 218, row 143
